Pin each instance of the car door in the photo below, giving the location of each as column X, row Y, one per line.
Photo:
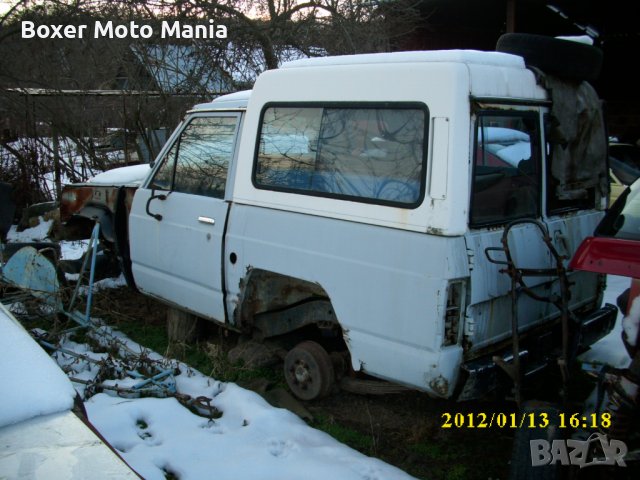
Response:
column 177, row 220
column 506, row 187
column 512, row 190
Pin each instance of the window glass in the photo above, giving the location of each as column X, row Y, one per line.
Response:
column 506, row 183
column 555, row 204
column 624, row 162
column 198, row 162
column 163, row 179
column 368, row 154
column 623, row 219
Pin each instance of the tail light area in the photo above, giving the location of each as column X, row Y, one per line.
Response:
column 454, row 312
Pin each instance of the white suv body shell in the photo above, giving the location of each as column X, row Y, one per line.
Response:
column 386, row 270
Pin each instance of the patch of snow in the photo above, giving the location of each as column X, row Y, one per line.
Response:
column 105, row 283
column 610, row 350
column 131, row 175
column 32, row 383
column 17, row 308
column 34, row 234
column 86, row 368
column 252, row 440
column 73, row 249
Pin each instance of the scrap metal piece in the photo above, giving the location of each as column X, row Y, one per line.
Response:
column 30, row 270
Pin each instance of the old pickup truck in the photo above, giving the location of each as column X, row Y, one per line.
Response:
column 356, row 207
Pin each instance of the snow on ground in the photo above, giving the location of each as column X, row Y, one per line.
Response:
column 158, row 436
column 250, row 440
column 72, row 160
column 34, row 234
column 73, row 249
column 107, row 283
column 610, row 350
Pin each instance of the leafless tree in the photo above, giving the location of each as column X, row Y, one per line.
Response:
column 261, row 35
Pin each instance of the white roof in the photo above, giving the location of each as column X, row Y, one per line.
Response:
column 235, row 100
column 494, row 59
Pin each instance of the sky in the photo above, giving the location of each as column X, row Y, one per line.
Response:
column 157, row 436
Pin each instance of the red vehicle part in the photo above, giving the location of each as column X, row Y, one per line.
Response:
column 616, row 251
column 612, row 256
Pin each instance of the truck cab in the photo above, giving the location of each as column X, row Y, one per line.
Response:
column 349, row 202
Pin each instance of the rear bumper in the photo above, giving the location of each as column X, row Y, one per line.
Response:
column 482, row 375
column 597, row 325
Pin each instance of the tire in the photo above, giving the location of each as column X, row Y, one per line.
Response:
column 308, row 371
column 562, row 58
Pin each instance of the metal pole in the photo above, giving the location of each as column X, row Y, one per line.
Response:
column 94, row 254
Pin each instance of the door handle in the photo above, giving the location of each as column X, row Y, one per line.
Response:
column 207, row 220
column 157, row 216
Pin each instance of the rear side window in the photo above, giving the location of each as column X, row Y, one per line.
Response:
column 506, row 172
column 370, row 153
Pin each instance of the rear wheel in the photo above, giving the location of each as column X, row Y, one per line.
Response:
column 309, row 371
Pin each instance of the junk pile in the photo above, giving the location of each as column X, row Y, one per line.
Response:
column 31, row 285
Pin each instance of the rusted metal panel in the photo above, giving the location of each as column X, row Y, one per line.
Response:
column 73, row 199
column 265, row 292
column 313, row 312
column 76, row 197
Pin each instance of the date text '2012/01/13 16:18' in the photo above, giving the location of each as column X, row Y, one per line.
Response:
column 525, row 420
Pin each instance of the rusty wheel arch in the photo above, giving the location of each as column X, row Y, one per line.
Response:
column 272, row 304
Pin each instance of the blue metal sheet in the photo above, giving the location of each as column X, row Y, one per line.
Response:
column 29, row 269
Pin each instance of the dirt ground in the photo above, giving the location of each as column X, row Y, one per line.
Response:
column 406, row 430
